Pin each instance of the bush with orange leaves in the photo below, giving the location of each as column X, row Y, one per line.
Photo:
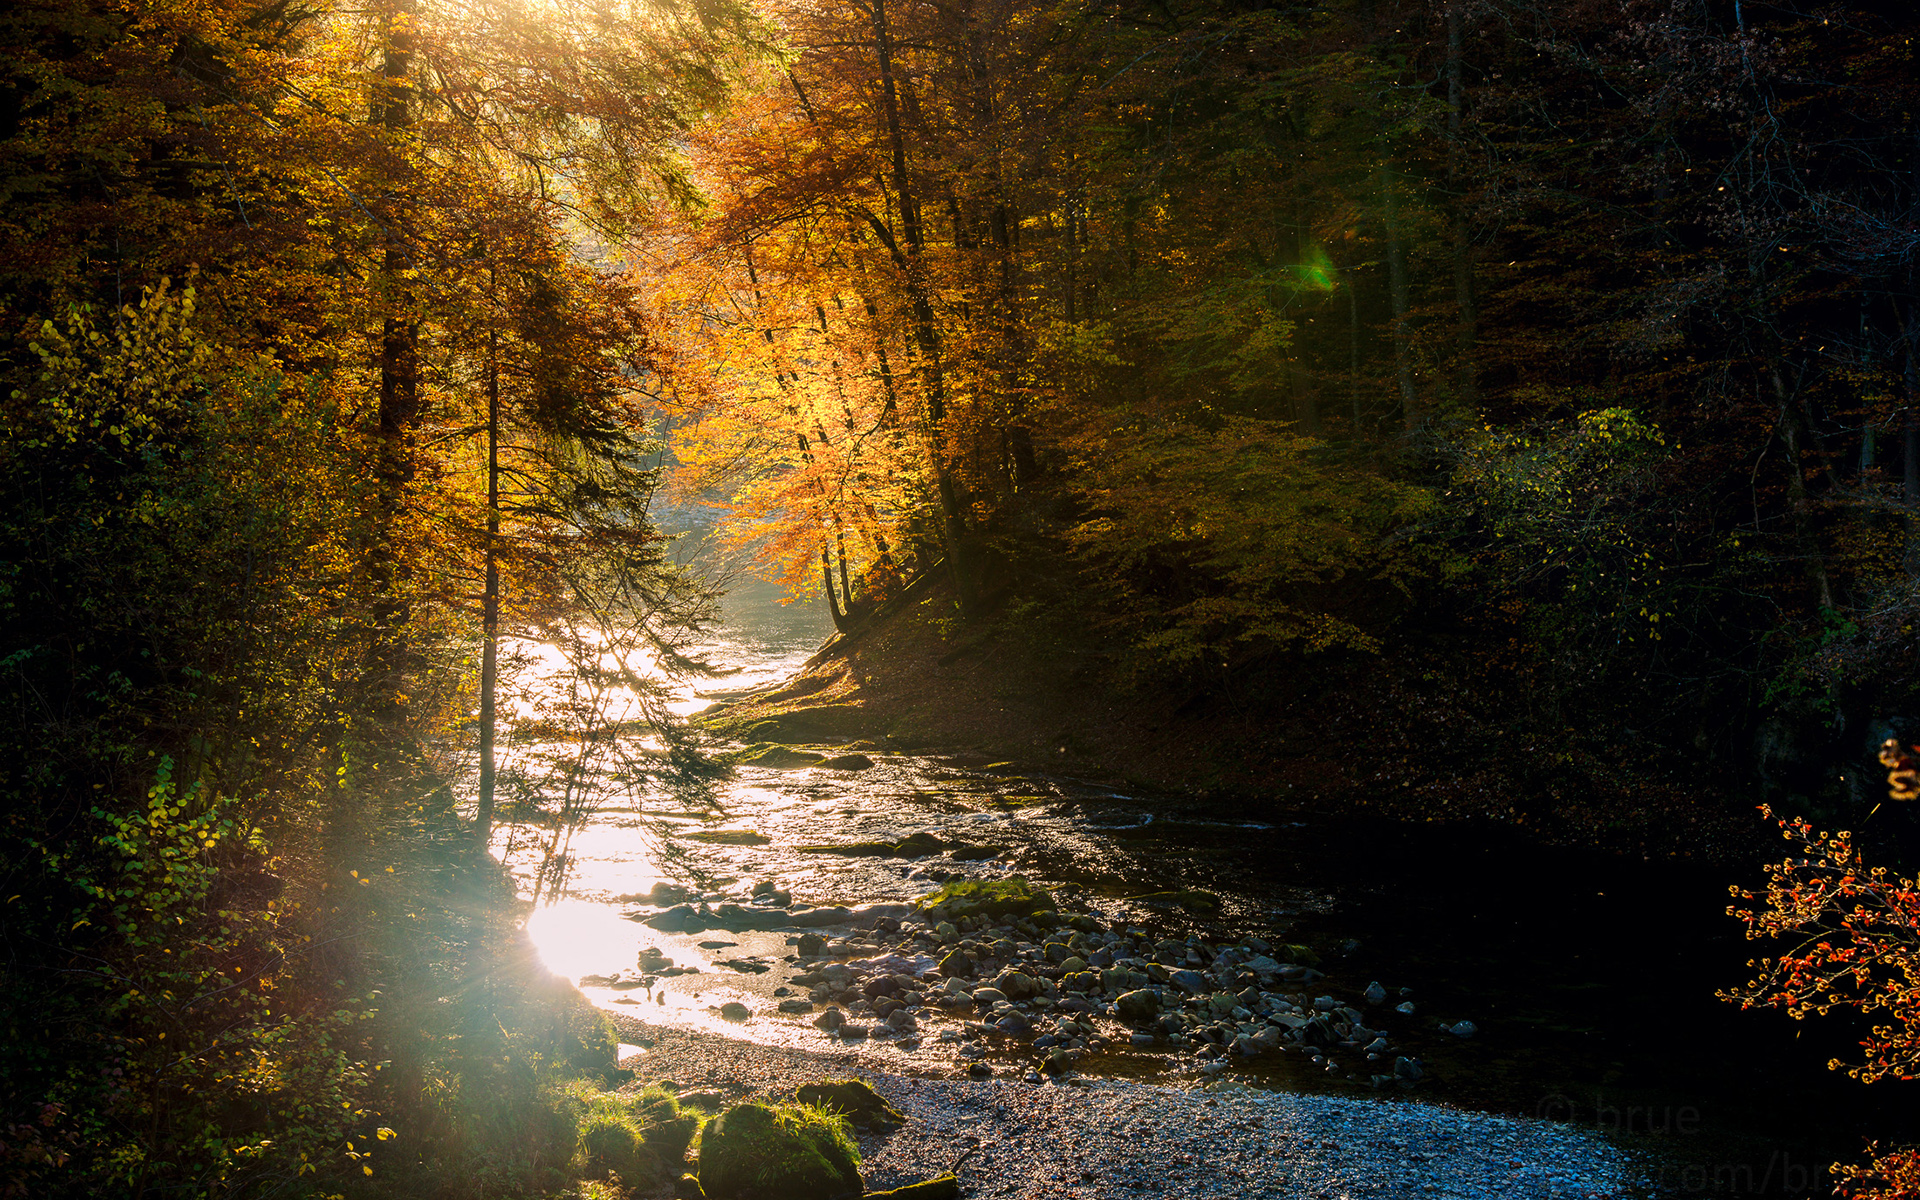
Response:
column 1858, row 933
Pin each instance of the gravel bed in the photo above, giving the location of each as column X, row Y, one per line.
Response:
column 1115, row 1138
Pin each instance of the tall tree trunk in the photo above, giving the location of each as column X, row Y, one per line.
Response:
column 1399, row 290
column 1353, row 347
column 490, row 600
column 1910, row 443
column 926, row 332
column 399, row 403
column 1462, row 236
column 840, row 622
column 1793, row 427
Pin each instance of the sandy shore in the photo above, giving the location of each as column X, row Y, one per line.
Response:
column 1090, row 1137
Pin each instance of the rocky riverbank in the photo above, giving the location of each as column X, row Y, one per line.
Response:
column 1007, row 1018
column 1093, row 1139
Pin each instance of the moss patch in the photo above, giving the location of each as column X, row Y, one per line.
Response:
column 794, row 1152
column 1013, row 897
column 641, row 1138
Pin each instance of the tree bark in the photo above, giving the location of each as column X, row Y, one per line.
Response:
column 1463, row 297
column 490, row 600
column 1399, row 289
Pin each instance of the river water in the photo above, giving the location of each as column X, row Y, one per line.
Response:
column 1591, row 979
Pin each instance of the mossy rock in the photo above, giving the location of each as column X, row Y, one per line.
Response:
column 642, row 1138
column 1013, row 897
column 728, row 837
column 1293, row 952
column 850, row 849
column 853, row 1099
column 915, row 845
column 794, row 1152
column 849, row 762
column 806, row 724
column 1192, row 899
column 970, row 853
column 785, row 758
column 610, row 1144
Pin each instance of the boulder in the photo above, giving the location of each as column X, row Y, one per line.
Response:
column 752, row 1152
column 853, row 1099
column 848, row 762
column 1137, row 1007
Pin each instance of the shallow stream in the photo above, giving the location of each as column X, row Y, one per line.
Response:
column 1591, row 980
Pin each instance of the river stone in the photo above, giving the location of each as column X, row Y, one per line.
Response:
column 751, row 1152
column 1073, row 965
column 902, row 1021
column 1406, row 1008
column 733, row 1010
column 1080, row 981
column 681, row 918
column 1223, row 1002
column 966, row 852
column 1016, row 984
column 956, row 965
column 1464, row 1029
column 1325, row 1003
column 830, row 1020
column 1014, row 1024
column 786, row 758
column 1137, row 1007
column 848, row 762
column 1407, row 1069
column 1375, row 993
column 986, row 997
column 1192, row 981
column 918, row 845
column 796, row 1006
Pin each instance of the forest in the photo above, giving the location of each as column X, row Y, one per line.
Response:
column 1372, row 363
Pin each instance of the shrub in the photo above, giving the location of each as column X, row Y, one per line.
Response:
column 1858, row 948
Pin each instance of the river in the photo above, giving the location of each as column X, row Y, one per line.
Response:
column 1591, row 979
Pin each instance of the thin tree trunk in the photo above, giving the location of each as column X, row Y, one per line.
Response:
column 490, row 602
column 1792, row 423
column 846, row 587
column 1399, row 291
column 1353, row 346
column 1462, row 237
column 399, row 402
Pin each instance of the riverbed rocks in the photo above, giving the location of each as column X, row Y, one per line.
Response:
column 992, row 966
